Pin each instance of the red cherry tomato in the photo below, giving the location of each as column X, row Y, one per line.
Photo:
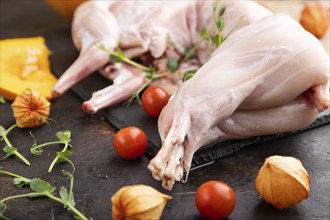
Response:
column 130, row 143
column 153, row 100
column 215, row 200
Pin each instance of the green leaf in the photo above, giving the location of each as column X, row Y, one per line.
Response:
column 41, row 186
column 149, row 76
column 217, row 39
column 2, row 99
column 221, row 10
column 189, row 53
column 172, row 64
column 19, row 182
column 117, row 57
column 63, row 156
column 64, row 135
column 204, row 33
column 2, row 131
column 150, row 70
column 188, row 74
column 65, row 196
column 9, row 149
column 120, row 53
column 221, row 24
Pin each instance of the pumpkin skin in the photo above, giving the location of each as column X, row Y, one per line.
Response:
column 24, row 64
column 65, row 8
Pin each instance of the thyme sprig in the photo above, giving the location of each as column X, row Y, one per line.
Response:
column 9, row 149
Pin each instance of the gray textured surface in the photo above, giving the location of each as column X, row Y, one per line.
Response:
column 100, row 173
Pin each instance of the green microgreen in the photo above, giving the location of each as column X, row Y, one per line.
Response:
column 218, row 11
column 172, row 64
column 119, row 57
column 188, row 54
column 9, row 149
column 21, row 181
column 188, row 74
column 42, row 188
column 66, row 196
column 136, row 96
column 205, row 34
column 18, row 180
column 62, row 156
column 149, row 78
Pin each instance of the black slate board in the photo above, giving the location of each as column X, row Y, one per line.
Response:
column 122, row 116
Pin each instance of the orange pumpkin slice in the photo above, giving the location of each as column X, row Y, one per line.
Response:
column 24, row 64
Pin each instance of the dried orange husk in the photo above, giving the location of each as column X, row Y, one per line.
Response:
column 30, row 109
column 283, row 181
column 315, row 18
column 138, row 202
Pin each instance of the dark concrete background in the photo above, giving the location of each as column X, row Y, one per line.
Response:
column 100, row 173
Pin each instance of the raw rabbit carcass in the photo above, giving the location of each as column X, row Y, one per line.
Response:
column 139, row 28
column 268, row 77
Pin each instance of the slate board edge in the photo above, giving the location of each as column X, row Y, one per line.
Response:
column 208, row 153
column 205, row 155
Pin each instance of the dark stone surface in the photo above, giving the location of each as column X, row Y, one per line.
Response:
column 100, row 173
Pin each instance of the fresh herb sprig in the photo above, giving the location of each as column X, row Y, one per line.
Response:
column 19, row 181
column 41, row 188
column 219, row 21
column 149, row 78
column 205, row 35
column 9, row 149
column 62, row 156
column 119, row 57
column 172, row 64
